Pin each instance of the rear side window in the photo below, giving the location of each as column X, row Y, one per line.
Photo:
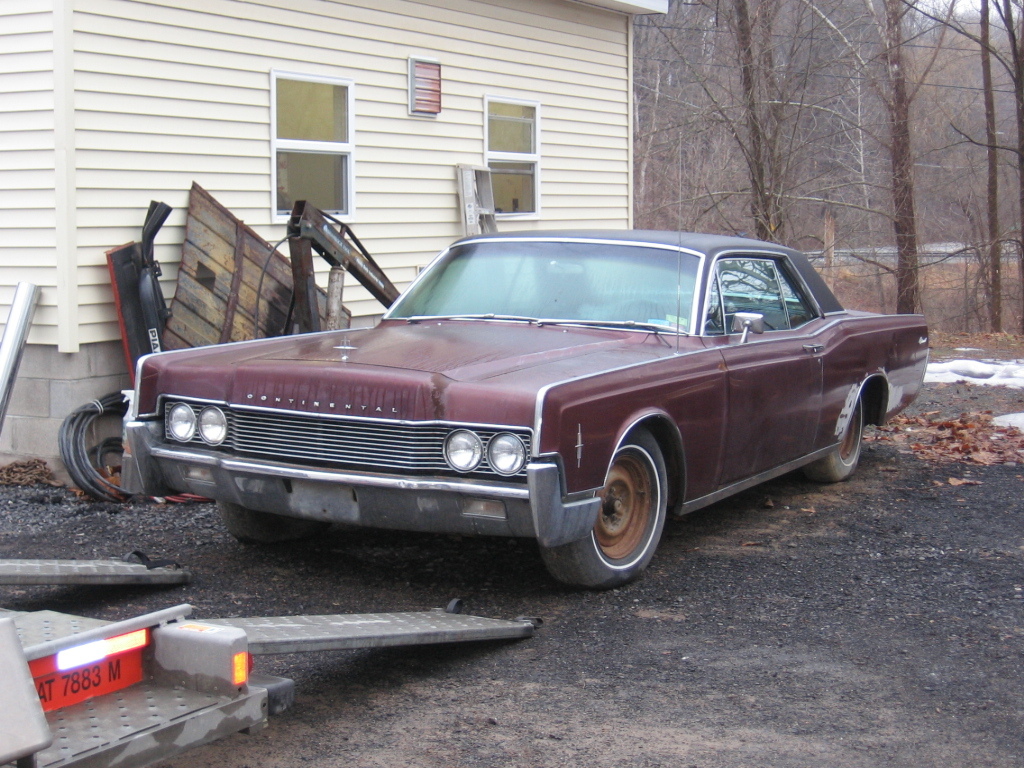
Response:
column 755, row 285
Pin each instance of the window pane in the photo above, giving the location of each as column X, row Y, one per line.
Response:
column 715, row 324
column 751, row 285
column 510, row 127
column 513, row 187
column 798, row 308
column 312, row 111
column 313, row 176
column 571, row 281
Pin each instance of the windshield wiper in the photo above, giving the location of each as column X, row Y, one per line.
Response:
column 639, row 324
column 490, row 316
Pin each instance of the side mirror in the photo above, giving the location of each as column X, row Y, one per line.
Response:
column 747, row 323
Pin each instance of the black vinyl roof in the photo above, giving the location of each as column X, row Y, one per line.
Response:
column 709, row 245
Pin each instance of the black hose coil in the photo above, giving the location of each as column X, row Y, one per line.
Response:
column 79, row 457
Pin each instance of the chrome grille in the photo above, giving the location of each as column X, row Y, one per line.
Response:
column 344, row 442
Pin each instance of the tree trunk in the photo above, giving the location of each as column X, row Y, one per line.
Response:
column 995, row 246
column 1014, row 37
column 904, row 221
column 755, row 158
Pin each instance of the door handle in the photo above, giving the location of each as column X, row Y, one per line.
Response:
column 814, row 348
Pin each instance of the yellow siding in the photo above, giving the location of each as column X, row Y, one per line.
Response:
column 27, row 197
column 168, row 92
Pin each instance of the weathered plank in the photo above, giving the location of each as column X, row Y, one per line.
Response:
column 229, row 281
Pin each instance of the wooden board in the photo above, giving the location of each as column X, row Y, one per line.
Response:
column 231, row 286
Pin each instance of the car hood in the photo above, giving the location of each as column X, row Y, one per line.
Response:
column 474, row 371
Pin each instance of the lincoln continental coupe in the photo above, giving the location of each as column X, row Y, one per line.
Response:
column 573, row 387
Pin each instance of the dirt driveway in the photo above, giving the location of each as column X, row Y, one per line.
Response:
column 875, row 623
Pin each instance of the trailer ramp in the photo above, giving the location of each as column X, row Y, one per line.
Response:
column 297, row 634
column 89, row 573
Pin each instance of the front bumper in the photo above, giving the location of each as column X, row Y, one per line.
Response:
column 371, row 499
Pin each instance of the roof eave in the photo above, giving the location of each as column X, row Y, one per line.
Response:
column 636, row 6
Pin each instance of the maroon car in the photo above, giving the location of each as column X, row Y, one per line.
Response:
column 572, row 387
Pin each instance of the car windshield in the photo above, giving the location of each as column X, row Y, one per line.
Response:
column 551, row 280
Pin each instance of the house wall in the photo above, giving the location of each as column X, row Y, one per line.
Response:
column 28, row 198
column 111, row 103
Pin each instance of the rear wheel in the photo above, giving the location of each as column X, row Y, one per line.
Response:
column 629, row 526
column 251, row 525
column 842, row 461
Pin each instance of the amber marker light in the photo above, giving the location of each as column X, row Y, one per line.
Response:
column 240, row 665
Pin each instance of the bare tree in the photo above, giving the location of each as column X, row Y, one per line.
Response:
column 995, row 246
column 891, row 29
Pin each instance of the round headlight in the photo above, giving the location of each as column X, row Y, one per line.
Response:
column 181, row 422
column 213, row 425
column 463, row 450
column 506, row 453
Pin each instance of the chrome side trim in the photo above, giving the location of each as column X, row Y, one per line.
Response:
column 762, row 339
column 274, row 469
column 750, row 482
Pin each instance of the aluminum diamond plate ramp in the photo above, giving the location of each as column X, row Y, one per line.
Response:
column 295, row 634
column 87, row 572
column 39, row 627
column 145, row 723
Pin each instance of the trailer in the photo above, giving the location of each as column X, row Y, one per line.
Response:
column 95, row 694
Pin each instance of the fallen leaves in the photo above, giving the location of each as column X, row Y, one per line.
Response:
column 971, row 438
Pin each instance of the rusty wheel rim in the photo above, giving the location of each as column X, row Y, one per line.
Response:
column 627, row 507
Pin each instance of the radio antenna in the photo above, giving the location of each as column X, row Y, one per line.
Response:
column 679, row 236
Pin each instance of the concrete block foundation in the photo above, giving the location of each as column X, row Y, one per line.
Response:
column 50, row 385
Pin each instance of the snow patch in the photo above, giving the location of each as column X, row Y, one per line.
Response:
column 1002, row 373
column 1010, row 420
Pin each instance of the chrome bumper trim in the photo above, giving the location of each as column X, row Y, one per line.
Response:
column 537, row 509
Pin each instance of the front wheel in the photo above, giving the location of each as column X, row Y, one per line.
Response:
column 842, row 461
column 633, row 509
column 263, row 527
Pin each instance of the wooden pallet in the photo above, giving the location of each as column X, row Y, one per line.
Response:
column 225, row 266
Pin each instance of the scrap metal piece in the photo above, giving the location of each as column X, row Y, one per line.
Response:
column 19, row 321
column 309, row 223
column 87, row 572
column 305, row 315
column 294, row 634
column 135, row 279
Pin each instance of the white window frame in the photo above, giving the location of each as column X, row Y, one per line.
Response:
column 346, row 148
column 516, row 157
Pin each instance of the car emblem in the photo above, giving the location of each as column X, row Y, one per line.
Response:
column 344, row 346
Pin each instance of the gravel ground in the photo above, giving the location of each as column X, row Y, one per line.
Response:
column 878, row 622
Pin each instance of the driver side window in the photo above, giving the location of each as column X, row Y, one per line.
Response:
column 754, row 285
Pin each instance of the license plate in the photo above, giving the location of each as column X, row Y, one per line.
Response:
column 62, row 688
